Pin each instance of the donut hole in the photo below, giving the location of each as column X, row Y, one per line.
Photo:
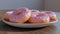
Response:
column 19, row 13
column 33, row 11
column 40, row 14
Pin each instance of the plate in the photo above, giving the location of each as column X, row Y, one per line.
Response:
column 29, row 25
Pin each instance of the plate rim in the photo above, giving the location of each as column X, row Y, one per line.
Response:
column 30, row 24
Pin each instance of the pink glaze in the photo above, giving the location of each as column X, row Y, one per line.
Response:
column 50, row 13
column 8, row 13
column 34, row 12
column 19, row 14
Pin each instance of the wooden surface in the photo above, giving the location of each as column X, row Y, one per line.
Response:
column 51, row 29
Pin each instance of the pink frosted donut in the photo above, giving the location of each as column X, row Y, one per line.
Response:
column 51, row 15
column 33, row 13
column 20, row 15
column 7, row 14
column 39, row 17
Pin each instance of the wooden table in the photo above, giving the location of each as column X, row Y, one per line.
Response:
column 51, row 29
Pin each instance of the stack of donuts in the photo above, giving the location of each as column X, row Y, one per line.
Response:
column 32, row 16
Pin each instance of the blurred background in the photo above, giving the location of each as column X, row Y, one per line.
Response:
column 32, row 4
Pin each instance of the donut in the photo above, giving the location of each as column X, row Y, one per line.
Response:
column 51, row 15
column 20, row 15
column 7, row 14
column 38, row 18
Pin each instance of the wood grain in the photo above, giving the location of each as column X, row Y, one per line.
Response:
column 6, row 29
